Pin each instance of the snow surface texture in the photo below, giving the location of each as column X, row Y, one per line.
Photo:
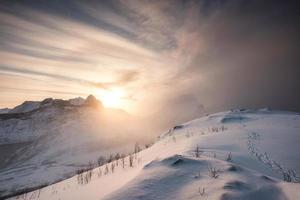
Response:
column 240, row 155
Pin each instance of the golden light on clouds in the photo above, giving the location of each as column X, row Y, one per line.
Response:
column 136, row 55
column 61, row 57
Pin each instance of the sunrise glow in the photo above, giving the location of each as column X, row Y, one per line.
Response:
column 112, row 98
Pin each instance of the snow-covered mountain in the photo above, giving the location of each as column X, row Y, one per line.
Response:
column 4, row 110
column 239, row 154
column 27, row 106
column 43, row 142
column 33, row 119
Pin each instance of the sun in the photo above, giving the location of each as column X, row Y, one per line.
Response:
column 112, row 98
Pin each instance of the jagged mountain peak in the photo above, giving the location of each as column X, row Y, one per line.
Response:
column 28, row 106
column 92, row 101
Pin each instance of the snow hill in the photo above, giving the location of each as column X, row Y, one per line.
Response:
column 239, row 154
column 44, row 142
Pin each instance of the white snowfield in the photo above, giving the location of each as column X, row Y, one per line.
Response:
column 240, row 155
column 50, row 143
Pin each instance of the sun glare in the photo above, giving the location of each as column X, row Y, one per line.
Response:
column 111, row 98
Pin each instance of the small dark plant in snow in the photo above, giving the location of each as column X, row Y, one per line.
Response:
column 112, row 167
column 198, row 152
column 80, row 176
column 174, row 139
column 123, row 160
column 117, row 157
column 215, row 155
column 229, row 157
column 33, row 195
column 88, row 176
column 287, row 177
column 290, row 176
column 223, row 128
column 89, row 173
column 22, row 196
column 213, row 172
column 201, row 191
column 130, row 158
column 197, row 175
column 106, row 169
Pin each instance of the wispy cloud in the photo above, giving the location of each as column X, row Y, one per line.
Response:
column 154, row 50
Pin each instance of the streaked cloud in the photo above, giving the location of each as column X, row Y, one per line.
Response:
column 152, row 50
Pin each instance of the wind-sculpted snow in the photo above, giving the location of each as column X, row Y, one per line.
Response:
column 203, row 159
column 191, row 179
column 234, row 119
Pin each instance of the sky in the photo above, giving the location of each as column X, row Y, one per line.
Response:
column 151, row 56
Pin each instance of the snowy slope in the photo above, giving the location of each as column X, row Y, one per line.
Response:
column 50, row 143
column 242, row 155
